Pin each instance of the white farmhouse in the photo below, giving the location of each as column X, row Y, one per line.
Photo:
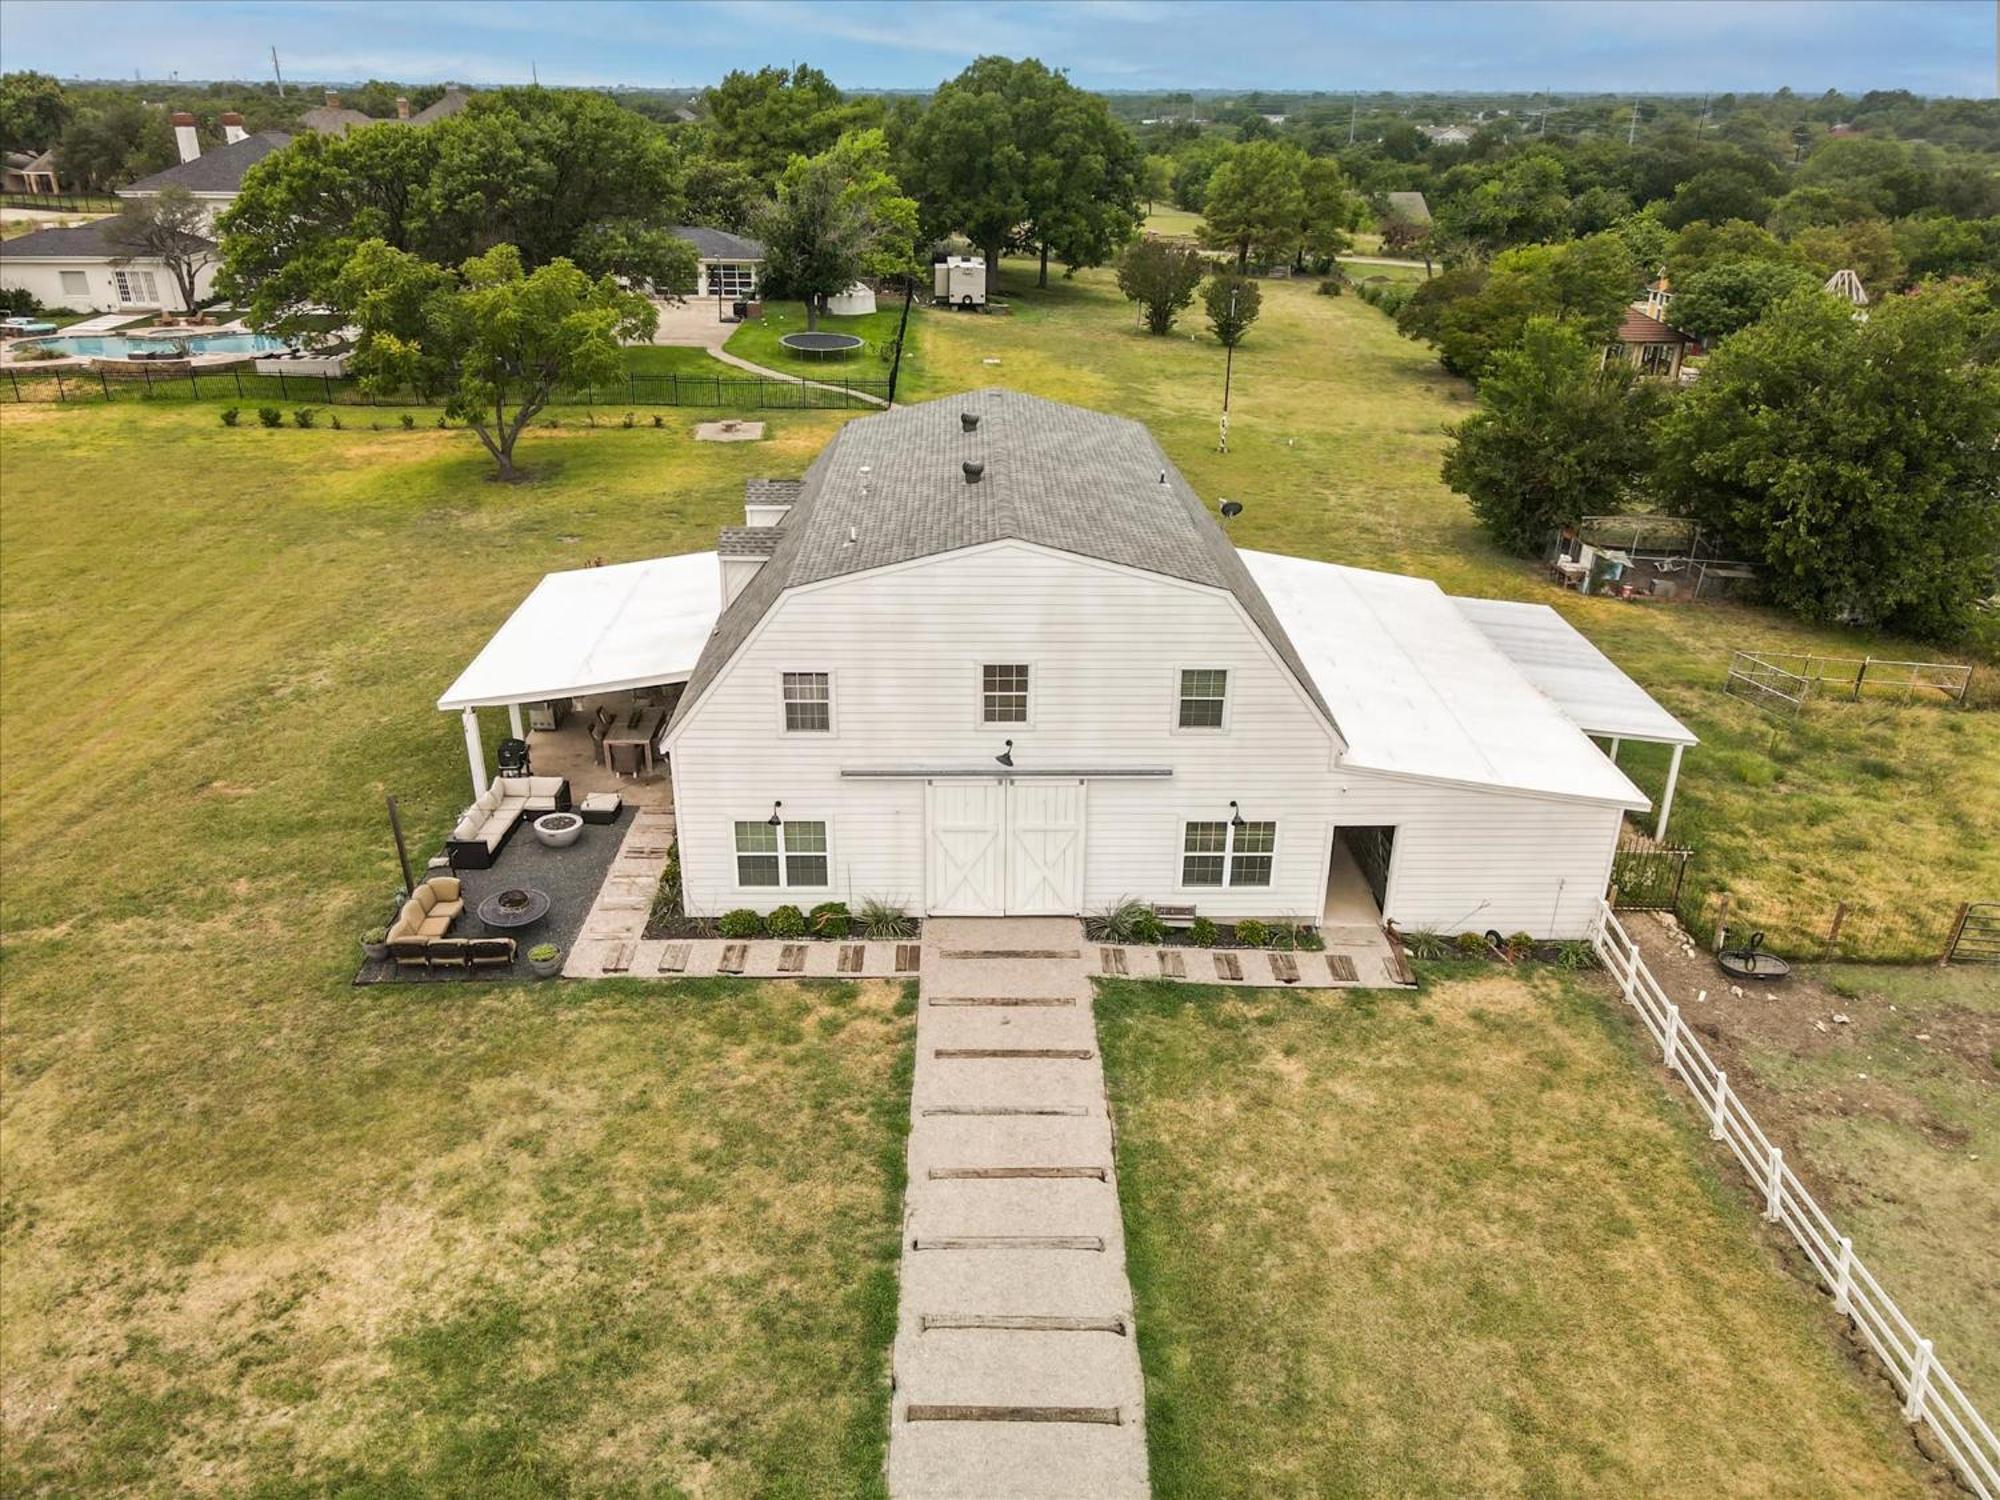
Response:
column 993, row 655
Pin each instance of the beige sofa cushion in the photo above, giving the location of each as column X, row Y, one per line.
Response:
column 468, row 828
column 544, row 786
column 444, row 887
column 434, row 926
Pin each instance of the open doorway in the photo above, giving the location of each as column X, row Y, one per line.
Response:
column 1357, row 883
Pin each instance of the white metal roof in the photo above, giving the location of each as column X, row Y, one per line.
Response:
column 597, row 630
column 1418, row 690
column 1585, row 684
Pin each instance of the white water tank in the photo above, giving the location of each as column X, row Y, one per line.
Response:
column 856, row 302
column 959, row 281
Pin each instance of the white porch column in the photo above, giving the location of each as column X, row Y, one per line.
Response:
column 1667, row 801
column 514, row 721
column 475, row 752
column 1614, row 751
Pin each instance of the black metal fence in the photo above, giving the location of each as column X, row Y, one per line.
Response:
column 66, row 203
column 712, row 392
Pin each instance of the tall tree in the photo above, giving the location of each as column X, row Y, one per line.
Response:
column 971, row 155
column 109, row 145
column 33, row 111
column 1233, row 302
column 1162, row 276
column 861, row 161
column 170, row 227
column 1732, row 294
column 495, row 342
column 1256, row 203
column 762, row 120
column 1084, row 172
column 816, row 235
column 1853, row 462
column 1559, row 431
column 1329, row 211
column 1157, row 178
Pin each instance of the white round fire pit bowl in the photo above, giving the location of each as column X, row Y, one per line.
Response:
column 558, row 830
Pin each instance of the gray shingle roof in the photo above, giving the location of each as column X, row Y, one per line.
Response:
column 217, row 171
column 330, row 119
column 891, row 488
column 450, row 103
column 748, row 541
column 82, row 242
column 719, row 244
column 772, row 491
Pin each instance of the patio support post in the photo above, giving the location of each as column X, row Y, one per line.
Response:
column 514, row 721
column 1615, row 742
column 1667, row 800
column 475, row 752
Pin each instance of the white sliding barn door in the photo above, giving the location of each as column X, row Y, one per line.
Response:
column 966, row 874
column 1044, row 848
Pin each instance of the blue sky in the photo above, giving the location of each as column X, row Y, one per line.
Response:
column 1930, row 46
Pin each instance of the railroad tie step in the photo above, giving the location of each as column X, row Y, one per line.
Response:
column 960, row 1001
column 1096, row 1416
column 792, row 958
column 1112, row 961
column 1341, row 967
column 1008, row 1242
column 1073, row 1054
column 1004, row 1109
column 674, row 958
column 1015, row 1174
column 1021, row 1323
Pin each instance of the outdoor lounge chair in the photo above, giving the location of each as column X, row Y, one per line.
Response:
column 490, row 952
column 448, row 953
column 411, row 952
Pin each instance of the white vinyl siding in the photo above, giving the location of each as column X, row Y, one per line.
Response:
column 140, row 288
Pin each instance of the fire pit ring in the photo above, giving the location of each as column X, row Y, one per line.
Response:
column 1752, row 962
column 514, row 908
column 558, row 830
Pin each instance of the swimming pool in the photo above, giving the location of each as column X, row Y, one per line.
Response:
column 123, row 345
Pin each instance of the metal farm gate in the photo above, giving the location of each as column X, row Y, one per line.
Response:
column 1975, row 936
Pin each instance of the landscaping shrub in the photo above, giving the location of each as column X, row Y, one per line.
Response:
column 667, row 896
column 1147, row 928
column 1575, row 954
column 1252, row 933
column 884, row 921
column 740, row 923
column 333, row 420
column 1304, row 938
column 1333, row 286
column 18, row 302
column 1520, row 945
column 541, row 953
column 1472, row 945
column 629, row 422
column 830, row 919
column 1121, row 921
column 305, row 416
column 786, row 922
column 658, row 420
column 1423, row 943
column 409, row 422
column 270, row 416
column 1203, row 933
column 230, row 416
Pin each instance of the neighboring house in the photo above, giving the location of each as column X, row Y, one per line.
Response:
column 1847, row 286
column 29, row 172
column 79, row 269
column 1446, row 135
column 1655, row 347
column 1659, row 296
column 993, row 655
column 332, row 119
column 732, row 265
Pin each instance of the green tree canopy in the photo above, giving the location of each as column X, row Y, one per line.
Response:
column 1717, row 195
column 494, row 341
column 1256, row 203
column 1084, row 171
column 1523, row 202
column 114, row 143
column 1233, row 302
column 1853, row 461
column 1559, row 432
column 1470, row 314
column 171, row 227
column 1162, row 276
column 33, row 111
column 762, row 120
column 971, row 154
column 826, row 226
column 1719, row 299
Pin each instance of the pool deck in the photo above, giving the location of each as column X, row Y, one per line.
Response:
column 107, row 326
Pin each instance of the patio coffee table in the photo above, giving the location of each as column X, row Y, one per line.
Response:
column 513, row 909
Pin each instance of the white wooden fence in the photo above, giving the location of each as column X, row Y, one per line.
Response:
column 1929, row 1393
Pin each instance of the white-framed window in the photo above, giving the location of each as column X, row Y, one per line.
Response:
column 1003, row 693
column 137, row 287
column 808, row 703
column 1204, row 698
column 732, row 279
column 1228, row 854
column 791, row 854
column 75, row 284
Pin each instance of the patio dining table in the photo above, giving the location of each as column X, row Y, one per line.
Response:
column 638, row 729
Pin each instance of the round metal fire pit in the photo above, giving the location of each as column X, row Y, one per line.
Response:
column 821, row 345
column 558, row 830
column 1752, row 962
column 514, row 908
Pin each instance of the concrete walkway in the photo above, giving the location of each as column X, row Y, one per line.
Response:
column 618, row 916
column 1016, row 1364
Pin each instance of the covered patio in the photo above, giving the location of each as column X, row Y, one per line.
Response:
column 589, row 667
column 1583, row 682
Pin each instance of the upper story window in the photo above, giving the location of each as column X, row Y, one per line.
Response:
column 1003, row 694
column 1204, row 691
column 808, row 703
column 1228, row 854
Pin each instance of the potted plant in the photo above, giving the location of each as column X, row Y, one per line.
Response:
column 375, row 943
column 545, row 959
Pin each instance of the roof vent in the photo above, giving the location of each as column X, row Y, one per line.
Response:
column 969, row 420
column 973, row 469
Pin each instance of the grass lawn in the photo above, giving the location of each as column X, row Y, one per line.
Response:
column 265, row 1232
column 1336, row 430
column 1360, row 271
column 673, row 359
column 757, row 341
column 1172, row 223
column 1457, row 1242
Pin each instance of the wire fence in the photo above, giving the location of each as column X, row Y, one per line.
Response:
column 711, row 392
column 1781, row 681
column 1930, row 1396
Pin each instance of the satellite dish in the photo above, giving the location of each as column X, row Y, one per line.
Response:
column 1231, row 509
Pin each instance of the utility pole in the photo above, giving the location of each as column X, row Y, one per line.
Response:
column 1632, row 129
column 277, row 72
column 1353, row 111
column 1228, row 367
column 534, row 75
column 1702, row 118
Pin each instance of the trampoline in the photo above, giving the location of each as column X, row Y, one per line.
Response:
column 821, row 345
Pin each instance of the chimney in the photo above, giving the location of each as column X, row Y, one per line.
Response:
column 232, row 128
column 185, row 137
column 402, row 108
column 332, row 99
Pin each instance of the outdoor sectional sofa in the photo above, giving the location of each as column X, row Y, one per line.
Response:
column 487, row 825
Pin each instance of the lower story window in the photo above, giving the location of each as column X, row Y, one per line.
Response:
column 1228, row 854
column 137, row 287
column 732, row 280
column 75, row 284
column 792, row 854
